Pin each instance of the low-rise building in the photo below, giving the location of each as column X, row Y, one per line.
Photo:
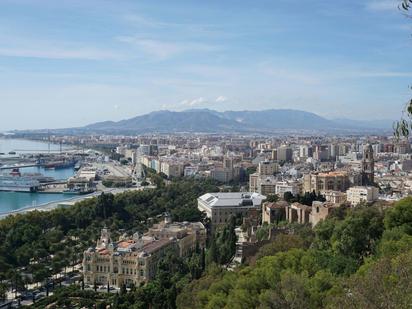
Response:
column 125, row 262
column 335, row 197
column 357, row 195
column 134, row 260
column 282, row 187
column 220, row 206
column 266, row 185
column 318, row 182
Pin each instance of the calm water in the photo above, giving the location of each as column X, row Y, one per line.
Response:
column 10, row 201
column 27, row 146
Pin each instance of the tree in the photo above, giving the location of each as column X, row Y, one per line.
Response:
column 381, row 284
column 272, row 198
column 3, row 291
column 288, row 197
column 281, row 243
column 400, row 216
column 358, row 234
column 403, row 127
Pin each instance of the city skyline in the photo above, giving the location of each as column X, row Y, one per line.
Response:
column 75, row 63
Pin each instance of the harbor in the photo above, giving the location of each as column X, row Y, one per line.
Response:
column 44, row 180
column 34, row 174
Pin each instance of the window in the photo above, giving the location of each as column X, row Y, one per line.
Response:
column 317, row 209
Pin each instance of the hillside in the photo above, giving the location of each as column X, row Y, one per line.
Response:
column 210, row 121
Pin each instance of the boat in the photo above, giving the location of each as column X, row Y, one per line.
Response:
column 15, row 172
column 40, row 177
column 12, row 152
column 77, row 166
column 18, row 183
column 60, row 164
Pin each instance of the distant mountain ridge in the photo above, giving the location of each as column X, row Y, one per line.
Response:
column 211, row 121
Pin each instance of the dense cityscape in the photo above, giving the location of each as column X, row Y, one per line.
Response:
column 262, row 188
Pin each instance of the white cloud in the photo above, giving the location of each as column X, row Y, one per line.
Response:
column 56, row 53
column 221, row 99
column 382, row 5
column 162, row 49
column 193, row 102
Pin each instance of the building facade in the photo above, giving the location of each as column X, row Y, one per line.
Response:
column 357, row 195
column 220, row 206
column 368, row 166
column 133, row 260
column 268, row 168
column 319, row 182
column 320, row 211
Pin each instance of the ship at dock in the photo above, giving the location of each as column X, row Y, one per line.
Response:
column 17, row 182
column 60, row 164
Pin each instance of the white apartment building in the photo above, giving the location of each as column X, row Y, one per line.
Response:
column 220, row 206
column 287, row 186
column 356, row 195
column 171, row 169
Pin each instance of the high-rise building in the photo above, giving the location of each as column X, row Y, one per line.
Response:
column 284, row 153
column 268, row 168
column 305, row 151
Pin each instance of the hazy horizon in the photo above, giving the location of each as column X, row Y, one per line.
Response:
column 191, row 109
column 73, row 63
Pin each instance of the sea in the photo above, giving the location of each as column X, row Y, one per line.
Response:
column 12, row 201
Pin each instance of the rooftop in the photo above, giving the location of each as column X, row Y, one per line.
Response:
column 222, row 199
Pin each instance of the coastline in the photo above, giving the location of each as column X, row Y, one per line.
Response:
column 55, row 204
column 47, row 206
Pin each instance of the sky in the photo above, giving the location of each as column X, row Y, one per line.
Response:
column 72, row 63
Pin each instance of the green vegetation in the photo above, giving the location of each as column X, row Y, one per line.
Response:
column 222, row 244
column 46, row 243
column 357, row 258
column 305, row 199
column 272, row 198
column 173, row 273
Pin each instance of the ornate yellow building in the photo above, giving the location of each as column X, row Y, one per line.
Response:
column 134, row 260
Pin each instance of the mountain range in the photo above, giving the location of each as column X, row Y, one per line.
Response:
column 211, row 121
